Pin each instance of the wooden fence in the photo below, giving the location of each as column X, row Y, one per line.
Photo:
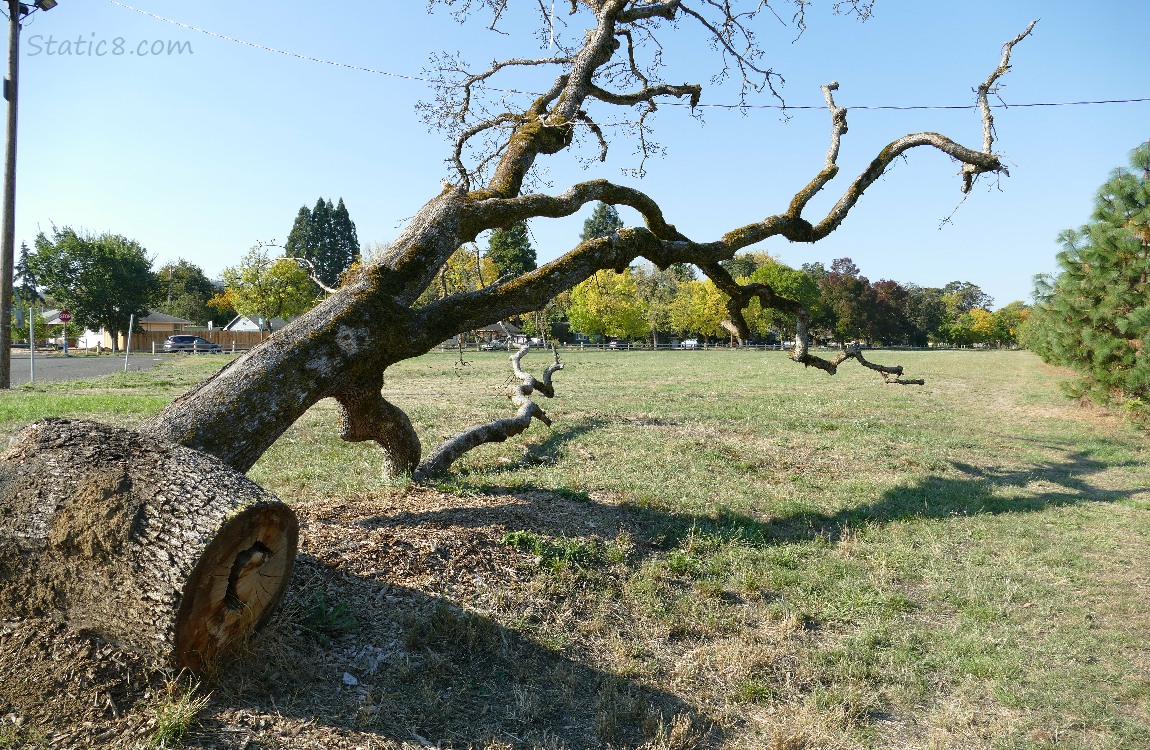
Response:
column 143, row 341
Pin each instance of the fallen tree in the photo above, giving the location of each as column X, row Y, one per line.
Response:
column 219, row 577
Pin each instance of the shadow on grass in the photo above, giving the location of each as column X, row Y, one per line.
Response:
column 402, row 665
column 355, row 653
column 978, row 491
column 537, row 453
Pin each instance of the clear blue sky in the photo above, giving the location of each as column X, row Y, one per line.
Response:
column 202, row 154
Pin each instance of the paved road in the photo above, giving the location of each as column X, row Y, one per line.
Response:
column 58, row 367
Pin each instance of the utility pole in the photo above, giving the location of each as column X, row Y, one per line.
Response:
column 16, row 12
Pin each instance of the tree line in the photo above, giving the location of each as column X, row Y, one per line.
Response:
column 644, row 303
column 105, row 280
column 649, row 304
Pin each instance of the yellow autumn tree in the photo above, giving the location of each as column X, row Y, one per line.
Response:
column 608, row 304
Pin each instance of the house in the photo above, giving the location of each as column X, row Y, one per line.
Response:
column 88, row 339
column 155, row 325
column 160, row 322
column 498, row 330
column 245, row 323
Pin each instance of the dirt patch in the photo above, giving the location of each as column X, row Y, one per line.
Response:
column 404, row 626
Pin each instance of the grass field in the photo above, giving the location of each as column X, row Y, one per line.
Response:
column 721, row 548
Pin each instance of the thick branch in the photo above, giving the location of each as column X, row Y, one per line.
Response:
column 891, row 374
column 499, row 430
column 650, row 10
column 366, row 415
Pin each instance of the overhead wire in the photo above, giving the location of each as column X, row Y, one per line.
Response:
column 741, row 107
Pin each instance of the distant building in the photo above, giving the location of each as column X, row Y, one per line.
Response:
column 244, row 323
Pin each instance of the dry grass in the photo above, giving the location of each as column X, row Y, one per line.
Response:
column 807, row 562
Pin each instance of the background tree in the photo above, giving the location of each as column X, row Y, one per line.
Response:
column 1011, row 320
column 962, row 296
column 849, row 300
column 183, row 290
column 657, row 288
column 603, row 221
column 467, row 270
column 743, row 265
column 26, row 296
column 925, row 312
column 1096, row 316
column 103, row 280
column 889, row 324
column 510, row 250
column 608, row 304
column 265, row 288
column 699, row 307
column 25, row 290
column 788, row 283
column 326, row 237
column 608, row 55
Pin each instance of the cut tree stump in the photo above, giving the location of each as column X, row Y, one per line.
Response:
column 153, row 546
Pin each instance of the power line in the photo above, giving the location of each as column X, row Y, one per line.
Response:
column 741, row 107
column 270, row 49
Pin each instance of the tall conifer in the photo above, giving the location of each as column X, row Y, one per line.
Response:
column 325, row 235
column 1096, row 317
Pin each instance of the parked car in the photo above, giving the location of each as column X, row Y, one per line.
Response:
column 493, row 345
column 183, row 342
column 616, row 344
column 689, row 344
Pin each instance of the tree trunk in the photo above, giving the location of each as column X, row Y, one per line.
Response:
column 156, row 547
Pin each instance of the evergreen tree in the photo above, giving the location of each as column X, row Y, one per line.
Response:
column 1096, row 318
column 326, row 236
column 24, row 285
column 344, row 240
column 603, row 221
column 300, row 243
column 511, row 251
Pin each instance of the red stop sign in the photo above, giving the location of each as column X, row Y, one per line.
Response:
column 65, row 316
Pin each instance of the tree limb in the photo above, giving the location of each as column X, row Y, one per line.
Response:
column 440, row 460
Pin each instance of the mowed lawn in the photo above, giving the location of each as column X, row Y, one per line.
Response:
column 803, row 561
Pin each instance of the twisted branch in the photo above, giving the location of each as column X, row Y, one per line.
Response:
column 499, row 430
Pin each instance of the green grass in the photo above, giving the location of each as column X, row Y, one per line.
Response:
column 175, row 712
column 810, row 561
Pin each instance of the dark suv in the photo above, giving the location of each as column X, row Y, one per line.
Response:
column 189, row 343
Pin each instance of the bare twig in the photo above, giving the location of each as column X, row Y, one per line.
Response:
column 989, row 86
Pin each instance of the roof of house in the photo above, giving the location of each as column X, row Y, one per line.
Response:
column 509, row 329
column 158, row 317
column 245, row 323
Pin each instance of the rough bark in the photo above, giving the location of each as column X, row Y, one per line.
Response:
column 153, row 546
